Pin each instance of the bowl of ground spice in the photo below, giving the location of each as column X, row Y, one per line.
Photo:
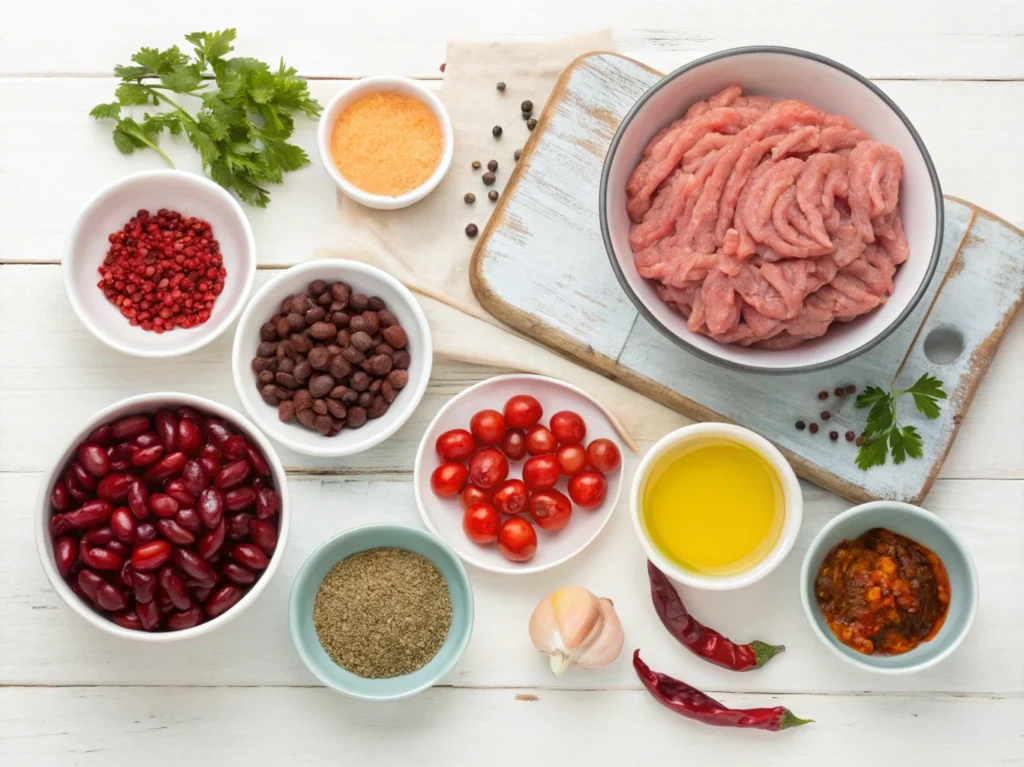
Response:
column 386, row 142
column 381, row 612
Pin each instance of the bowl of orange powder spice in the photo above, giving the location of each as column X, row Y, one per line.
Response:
column 386, row 141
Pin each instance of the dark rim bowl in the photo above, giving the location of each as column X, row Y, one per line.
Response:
column 682, row 341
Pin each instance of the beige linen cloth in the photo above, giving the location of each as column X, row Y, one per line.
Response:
column 425, row 245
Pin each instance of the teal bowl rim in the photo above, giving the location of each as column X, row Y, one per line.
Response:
column 294, row 617
column 929, row 518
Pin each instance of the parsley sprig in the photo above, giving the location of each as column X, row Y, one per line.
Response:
column 242, row 128
column 883, row 432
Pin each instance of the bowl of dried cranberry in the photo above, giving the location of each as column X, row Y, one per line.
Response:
column 331, row 357
column 159, row 263
column 163, row 518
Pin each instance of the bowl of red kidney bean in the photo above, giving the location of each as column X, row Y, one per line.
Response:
column 159, row 263
column 331, row 357
column 164, row 518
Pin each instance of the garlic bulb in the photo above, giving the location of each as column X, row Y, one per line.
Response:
column 576, row 629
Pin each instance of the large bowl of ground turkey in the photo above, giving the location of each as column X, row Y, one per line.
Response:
column 771, row 210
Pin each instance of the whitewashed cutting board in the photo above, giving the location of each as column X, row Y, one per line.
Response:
column 541, row 267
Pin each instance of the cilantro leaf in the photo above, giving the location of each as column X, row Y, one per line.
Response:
column 912, row 442
column 210, row 46
column 926, row 391
column 882, row 432
column 872, row 453
column 132, row 94
column 183, row 79
column 106, row 111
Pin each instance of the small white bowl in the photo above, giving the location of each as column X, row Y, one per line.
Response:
column 109, row 210
column 364, row 279
column 150, row 403
column 443, row 516
column 384, row 84
column 792, row 501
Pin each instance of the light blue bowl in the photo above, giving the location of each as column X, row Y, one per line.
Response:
column 931, row 532
column 316, row 567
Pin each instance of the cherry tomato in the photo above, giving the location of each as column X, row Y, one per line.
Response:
column 513, row 445
column 487, row 468
column 568, row 427
column 455, row 445
column 550, row 509
column 511, row 496
column 473, row 494
column 588, row 489
column 448, row 479
column 488, row 426
column 540, row 440
column 541, row 472
column 572, row 459
column 522, row 411
column 603, row 455
column 517, row 540
column 480, row 523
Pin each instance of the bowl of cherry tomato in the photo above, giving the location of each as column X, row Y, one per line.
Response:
column 519, row 473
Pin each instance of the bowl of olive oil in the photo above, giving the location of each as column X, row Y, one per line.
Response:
column 716, row 506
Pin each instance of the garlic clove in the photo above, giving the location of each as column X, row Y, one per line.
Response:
column 576, row 628
column 606, row 644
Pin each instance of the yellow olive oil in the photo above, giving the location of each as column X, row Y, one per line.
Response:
column 713, row 506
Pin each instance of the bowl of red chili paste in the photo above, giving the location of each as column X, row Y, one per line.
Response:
column 159, row 263
column 889, row 587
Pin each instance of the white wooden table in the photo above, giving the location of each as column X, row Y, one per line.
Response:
column 70, row 695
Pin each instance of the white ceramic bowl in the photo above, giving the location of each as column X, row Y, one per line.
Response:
column 781, row 73
column 922, row 527
column 384, row 84
column 363, row 279
column 109, row 210
column 150, row 403
column 791, row 494
column 443, row 516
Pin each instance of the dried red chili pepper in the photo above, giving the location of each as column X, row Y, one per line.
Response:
column 698, row 638
column 693, row 704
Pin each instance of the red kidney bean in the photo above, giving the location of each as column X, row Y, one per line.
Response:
column 185, row 620
column 138, row 499
column 90, row 583
column 168, row 466
column 117, row 547
column 109, row 598
column 102, row 435
column 248, row 555
column 190, row 413
column 263, row 535
column 59, row 525
column 65, row 551
column 268, row 503
column 100, row 536
column 144, row 586
column 210, row 450
column 147, row 456
column 222, row 600
column 194, row 477
column 217, row 432
column 163, row 505
column 91, row 514
column 114, row 486
column 238, row 526
column 85, row 479
column 129, row 619
column 210, row 465
column 235, row 573
column 195, row 566
column 259, row 463
column 59, row 498
column 129, row 427
column 99, row 559
column 176, row 489
column 189, row 519
column 149, row 614
column 190, row 437
column 211, row 542
column 233, row 449
column 211, row 507
column 146, row 440
column 202, row 593
column 174, row 532
column 166, row 424
column 260, row 483
column 75, row 489
column 174, row 588
column 94, row 459
column 123, row 524
column 150, row 556
column 233, row 475
column 124, row 575
column 164, row 603
column 240, row 498
column 144, row 533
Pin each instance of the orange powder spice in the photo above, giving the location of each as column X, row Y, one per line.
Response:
column 386, row 143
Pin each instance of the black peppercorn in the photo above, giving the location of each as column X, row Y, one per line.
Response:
column 476, row 165
column 823, row 395
column 833, row 435
column 492, row 165
column 471, row 230
column 501, row 86
column 496, row 130
column 526, row 106
column 800, row 426
column 492, row 195
column 813, row 428
column 531, row 123
column 518, row 154
column 488, row 178
column 825, row 415
column 469, row 198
